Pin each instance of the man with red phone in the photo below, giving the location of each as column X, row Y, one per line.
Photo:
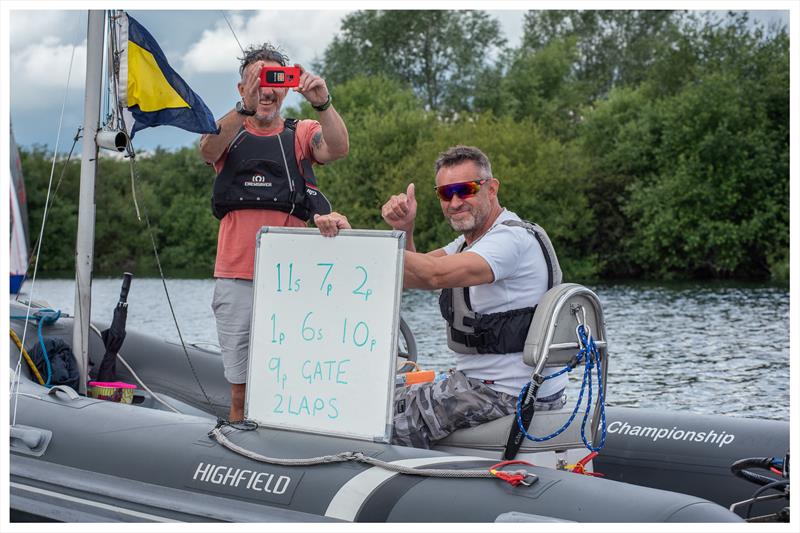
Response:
column 264, row 178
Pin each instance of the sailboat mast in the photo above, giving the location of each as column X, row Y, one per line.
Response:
column 84, row 249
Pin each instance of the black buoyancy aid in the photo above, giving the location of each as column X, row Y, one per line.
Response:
column 262, row 172
column 504, row 332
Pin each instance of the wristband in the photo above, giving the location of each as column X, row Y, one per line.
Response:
column 323, row 106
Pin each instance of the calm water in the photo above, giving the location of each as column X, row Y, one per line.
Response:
column 705, row 348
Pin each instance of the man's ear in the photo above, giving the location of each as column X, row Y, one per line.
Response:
column 241, row 88
column 494, row 186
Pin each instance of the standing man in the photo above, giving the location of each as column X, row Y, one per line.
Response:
column 491, row 277
column 264, row 178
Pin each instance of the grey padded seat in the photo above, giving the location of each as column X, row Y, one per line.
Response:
column 551, row 342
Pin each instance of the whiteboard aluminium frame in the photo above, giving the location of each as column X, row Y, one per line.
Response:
column 398, row 292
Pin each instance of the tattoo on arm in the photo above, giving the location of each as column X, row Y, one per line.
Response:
column 316, row 140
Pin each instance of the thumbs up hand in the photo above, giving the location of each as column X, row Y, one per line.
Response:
column 401, row 210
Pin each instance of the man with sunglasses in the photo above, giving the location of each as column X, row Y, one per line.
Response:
column 491, row 278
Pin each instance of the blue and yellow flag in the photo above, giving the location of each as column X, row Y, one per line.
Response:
column 150, row 90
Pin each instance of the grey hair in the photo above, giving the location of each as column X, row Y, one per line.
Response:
column 262, row 52
column 459, row 154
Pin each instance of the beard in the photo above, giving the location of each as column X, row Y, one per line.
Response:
column 469, row 218
column 268, row 116
column 465, row 222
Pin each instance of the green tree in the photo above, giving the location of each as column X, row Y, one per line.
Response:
column 540, row 85
column 618, row 138
column 614, row 48
column 440, row 54
column 718, row 206
column 665, row 207
column 541, row 180
column 58, row 240
column 385, row 122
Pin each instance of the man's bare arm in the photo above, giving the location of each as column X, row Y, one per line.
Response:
column 332, row 142
column 212, row 146
column 437, row 270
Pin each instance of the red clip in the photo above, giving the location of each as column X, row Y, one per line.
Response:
column 515, row 478
column 580, row 466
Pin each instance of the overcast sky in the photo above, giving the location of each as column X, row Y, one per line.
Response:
column 198, row 44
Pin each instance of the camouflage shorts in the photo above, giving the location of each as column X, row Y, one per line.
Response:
column 428, row 412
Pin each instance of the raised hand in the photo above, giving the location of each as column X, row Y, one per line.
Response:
column 401, row 210
column 312, row 87
column 250, row 85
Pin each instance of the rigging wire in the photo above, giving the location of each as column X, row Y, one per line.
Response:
column 17, row 369
column 233, row 32
column 48, row 205
column 142, row 213
column 151, row 232
column 117, row 118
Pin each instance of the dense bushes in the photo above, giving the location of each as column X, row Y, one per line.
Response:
column 651, row 145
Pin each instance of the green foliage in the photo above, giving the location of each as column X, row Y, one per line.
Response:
column 173, row 190
column 614, row 48
column 440, row 54
column 541, row 180
column 385, row 122
column 649, row 144
column 541, row 85
column 60, row 231
column 715, row 208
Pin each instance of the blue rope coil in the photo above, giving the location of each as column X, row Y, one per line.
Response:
column 591, row 359
column 43, row 317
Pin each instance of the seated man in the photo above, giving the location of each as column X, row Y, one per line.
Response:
column 491, row 277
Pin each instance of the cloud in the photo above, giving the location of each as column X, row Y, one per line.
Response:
column 28, row 27
column 40, row 72
column 41, row 45
column 303, row 35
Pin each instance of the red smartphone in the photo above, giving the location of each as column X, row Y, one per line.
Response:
column 280, row 76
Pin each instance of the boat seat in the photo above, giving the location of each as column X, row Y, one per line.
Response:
column 551, row 342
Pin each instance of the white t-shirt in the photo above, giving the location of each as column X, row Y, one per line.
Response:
column 520, row 279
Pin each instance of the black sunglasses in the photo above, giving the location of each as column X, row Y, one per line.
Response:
column 463, row 189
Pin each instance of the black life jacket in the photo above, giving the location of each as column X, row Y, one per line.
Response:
column 263, row 173
column 499, row 333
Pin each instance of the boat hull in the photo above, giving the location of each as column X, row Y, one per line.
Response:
column 150, row 465
column 164, row 466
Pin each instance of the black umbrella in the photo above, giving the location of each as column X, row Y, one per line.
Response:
column 114, row 336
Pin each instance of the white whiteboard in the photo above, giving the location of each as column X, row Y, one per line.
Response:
column 324, row 331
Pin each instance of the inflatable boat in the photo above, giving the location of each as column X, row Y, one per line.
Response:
column 167, row 457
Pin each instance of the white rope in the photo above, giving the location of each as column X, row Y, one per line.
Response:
column 359, row 457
